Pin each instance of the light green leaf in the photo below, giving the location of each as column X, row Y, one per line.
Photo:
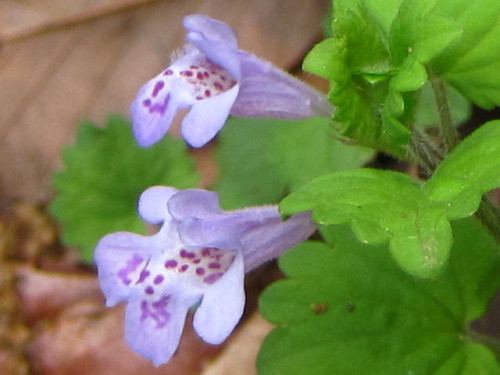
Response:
column 381, row 206
column 350, row 310
column 469, row 171
column 104, row 174
column 472, row 65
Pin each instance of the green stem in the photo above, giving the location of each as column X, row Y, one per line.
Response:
column 490, row 342
column 448, row 131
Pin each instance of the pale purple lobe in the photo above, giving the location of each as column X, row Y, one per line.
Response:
column 153, row 204
column 195, row 203
column 153, row 326
column 222, row 304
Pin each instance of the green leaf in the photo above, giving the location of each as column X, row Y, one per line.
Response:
column 381, row 52
column 469, row 171
column 375, row 61
column 381, row 206
column 419, row 30
column 104, row 174
column 261, row 159
column 472, row 65
column 350, row 310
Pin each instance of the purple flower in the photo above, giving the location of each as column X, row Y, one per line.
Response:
column 214, row 79
column 200, row 254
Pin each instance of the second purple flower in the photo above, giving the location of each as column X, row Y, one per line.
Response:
column 199, row 255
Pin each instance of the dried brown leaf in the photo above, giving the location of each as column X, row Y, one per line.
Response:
column 88, row 340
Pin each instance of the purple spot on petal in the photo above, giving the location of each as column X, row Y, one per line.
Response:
column 160, row 107
column 208, row 93
column 172, row 263
column 131, row 265
column 187, row 73
column 187, row 254
column 158, row 279
column 146, row 103
column 143, row 276
column 183, row 268
column 200, row 271
column 210, row 279
column 158, row 86
column 168, row 72
column 156, row 311
column 206, row 251
column 199, row 75
column 214, row 265
column 149, row 290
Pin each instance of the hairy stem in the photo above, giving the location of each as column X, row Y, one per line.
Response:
column 424, row 152
column 448, row 131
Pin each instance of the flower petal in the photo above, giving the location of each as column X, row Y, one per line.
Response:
column 153, row 328
column 153, row 204
column 269, row 241
column 267, row 91
column 194, row 203
column 222, row 305
column 227, row 228
column 210, row 29
column 120, row 258
column 216, row 40
column 155, row 107
column 207, row 117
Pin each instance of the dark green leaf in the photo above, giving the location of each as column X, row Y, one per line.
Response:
column 350, row 310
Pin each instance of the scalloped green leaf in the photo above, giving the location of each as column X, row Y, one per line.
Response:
column 472, row 65
column 261, row 159
column 469, row 171
column 104, row 174
column 380, row 206
column 350, row 310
